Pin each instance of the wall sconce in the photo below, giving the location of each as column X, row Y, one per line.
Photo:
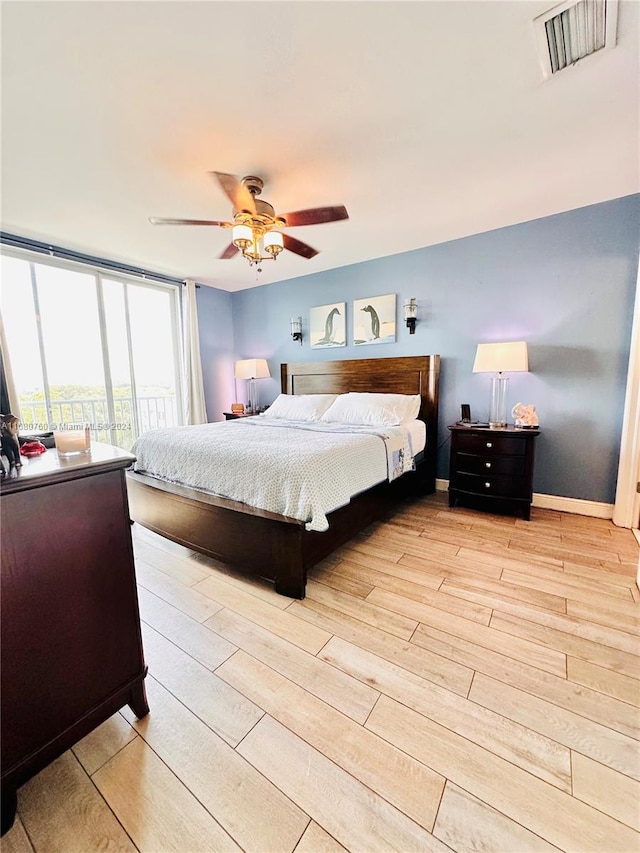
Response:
column 411, row 315
column 296, row 329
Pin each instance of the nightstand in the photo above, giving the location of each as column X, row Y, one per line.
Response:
column 232, row 416
column 492, row 468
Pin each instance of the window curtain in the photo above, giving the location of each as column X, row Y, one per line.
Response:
column 195, row 406
column 8, row 396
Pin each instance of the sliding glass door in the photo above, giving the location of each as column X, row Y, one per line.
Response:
column 90, row 348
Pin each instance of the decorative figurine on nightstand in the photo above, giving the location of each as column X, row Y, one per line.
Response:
column 525, row 417
column 9, row 439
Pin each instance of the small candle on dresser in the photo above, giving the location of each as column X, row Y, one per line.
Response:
column 71, row 441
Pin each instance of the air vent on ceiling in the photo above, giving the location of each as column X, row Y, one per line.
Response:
column 573, row 30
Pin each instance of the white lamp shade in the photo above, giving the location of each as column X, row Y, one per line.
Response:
column 242, row 236
column 273, row 242
column 502, row 358
column 252, row 368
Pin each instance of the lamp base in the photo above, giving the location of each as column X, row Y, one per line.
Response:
column 252, row 403
column 498, row 409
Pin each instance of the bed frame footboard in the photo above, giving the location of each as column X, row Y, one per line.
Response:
column 260, row 543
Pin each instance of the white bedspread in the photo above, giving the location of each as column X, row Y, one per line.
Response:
column 302, row 471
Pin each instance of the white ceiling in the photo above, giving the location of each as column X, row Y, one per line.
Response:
column 428, row 120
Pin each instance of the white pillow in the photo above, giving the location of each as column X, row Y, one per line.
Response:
column 299, row 407
column 373, row 409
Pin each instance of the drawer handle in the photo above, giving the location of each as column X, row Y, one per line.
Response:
column 487, row 464
column 487, row 485
column 489, row 444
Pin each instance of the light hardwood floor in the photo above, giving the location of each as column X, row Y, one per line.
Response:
column 453, row 681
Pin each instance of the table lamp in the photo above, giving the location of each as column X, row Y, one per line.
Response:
column 252, row 369
column 499, row 359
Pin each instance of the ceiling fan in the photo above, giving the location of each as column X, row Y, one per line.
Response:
column 255, row 222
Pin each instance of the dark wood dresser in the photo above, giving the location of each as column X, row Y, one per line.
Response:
column 71, row 644
column 492, row 468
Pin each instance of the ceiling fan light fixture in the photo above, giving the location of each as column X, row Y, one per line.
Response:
column 273, row 242
column 254, row 221
column 242, row 236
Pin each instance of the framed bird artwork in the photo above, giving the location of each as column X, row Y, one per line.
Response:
column 374, row 320
column 327, row 326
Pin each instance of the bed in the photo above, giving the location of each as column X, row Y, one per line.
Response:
column 278, row 547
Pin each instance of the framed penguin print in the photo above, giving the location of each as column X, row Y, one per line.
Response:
column 327, row 326
column 374, row 320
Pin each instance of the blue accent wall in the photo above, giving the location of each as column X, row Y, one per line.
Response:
column 217, row 352
column 565, row 284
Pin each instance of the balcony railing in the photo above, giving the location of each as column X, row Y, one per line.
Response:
column 153, row 413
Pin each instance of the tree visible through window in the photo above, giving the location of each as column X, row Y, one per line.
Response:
column 90, row 349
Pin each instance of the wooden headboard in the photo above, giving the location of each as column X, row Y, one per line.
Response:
column 403, row 375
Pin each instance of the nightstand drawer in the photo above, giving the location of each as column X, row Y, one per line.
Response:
column 486, row 444
column 500, row 487
column 468, row 463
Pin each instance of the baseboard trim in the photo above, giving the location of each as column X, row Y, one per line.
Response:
column 595, row 509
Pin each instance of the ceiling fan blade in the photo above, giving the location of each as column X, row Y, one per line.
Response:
column 316, row 215
column 229, row 252
column 158, row 220
column 240, row 196
column 298, row 247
